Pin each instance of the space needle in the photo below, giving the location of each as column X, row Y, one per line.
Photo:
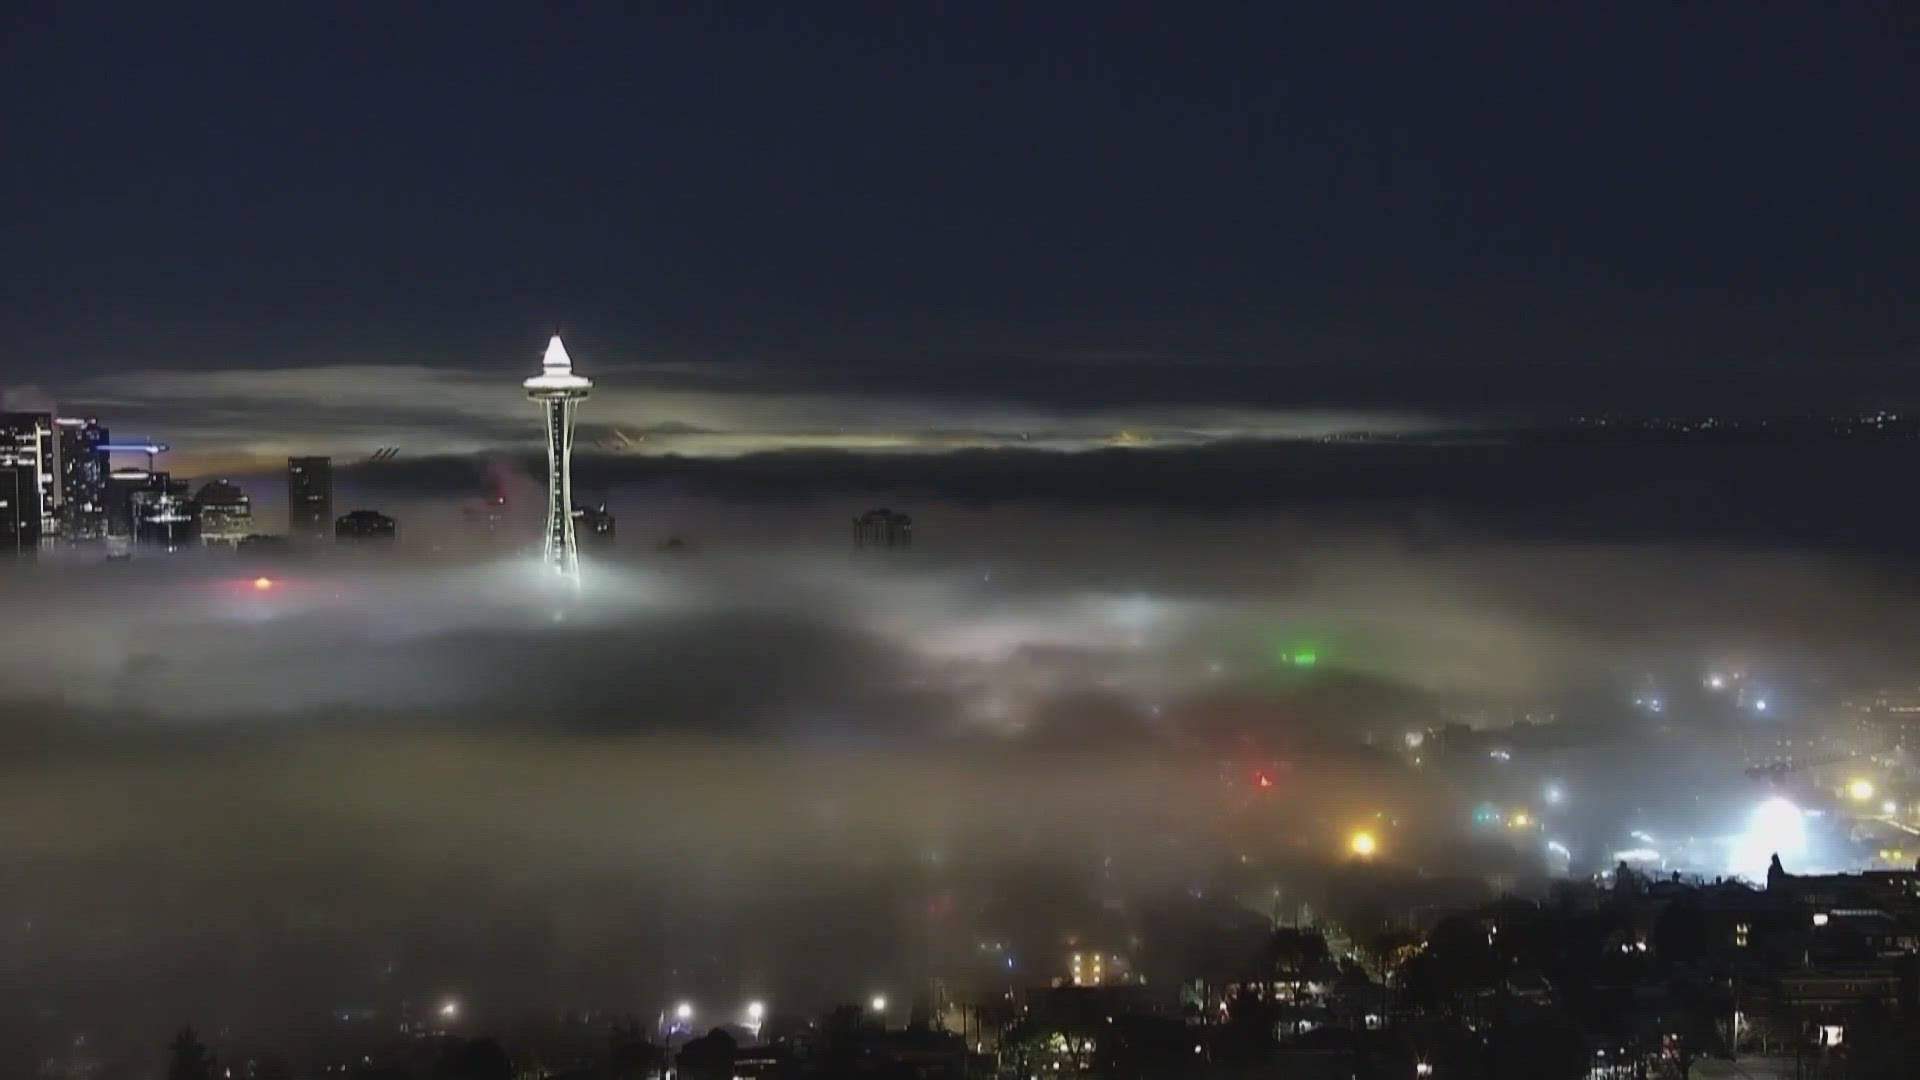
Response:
column 559, row 390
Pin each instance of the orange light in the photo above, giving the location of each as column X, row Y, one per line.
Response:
column 262, row 584
column 1263, row 779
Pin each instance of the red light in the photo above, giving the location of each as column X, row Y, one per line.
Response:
column 1263, row 779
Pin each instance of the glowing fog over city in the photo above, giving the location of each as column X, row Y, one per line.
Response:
column 959, row 542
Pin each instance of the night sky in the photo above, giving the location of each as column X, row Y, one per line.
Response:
column 933, row 226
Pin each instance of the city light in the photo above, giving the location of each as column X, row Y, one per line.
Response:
column 683, row 1011
column 1555, row 795
column 262, row 584
column 1363, row 844
column 1890, row 808
column 1716, row 682
column 1520, row 820
column 1776, row 827
column 449, row 1009
column 878, row 1004
column 1860, row 789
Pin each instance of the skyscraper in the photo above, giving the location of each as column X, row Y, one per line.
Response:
column 310, row 497
column 19, row 516
column 163, row 515
column 84, row 467
column 558, row 391
column 226, row 514
column 29, row 447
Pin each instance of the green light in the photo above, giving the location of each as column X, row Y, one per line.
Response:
column 1305, row 658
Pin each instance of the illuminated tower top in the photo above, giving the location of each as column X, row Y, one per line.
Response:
column 556, row 374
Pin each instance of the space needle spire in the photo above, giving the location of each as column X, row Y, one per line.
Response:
column 558, row 391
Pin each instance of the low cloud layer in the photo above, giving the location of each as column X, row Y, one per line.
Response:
column 409, row 774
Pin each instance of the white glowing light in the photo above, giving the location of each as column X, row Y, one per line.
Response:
column 879, row 1003
column 1860, row 789
column 683, row 1011
column 1760, row 705
column 1716, row 682
column 1889, row 808
column 450, row 1009
column 1557, row 848
column 1555, row 795
column 1777, row 827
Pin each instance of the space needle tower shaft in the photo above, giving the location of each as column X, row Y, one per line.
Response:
column 558, row 392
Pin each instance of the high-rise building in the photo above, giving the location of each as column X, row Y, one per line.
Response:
column 121, row 486
column 226, row 514
column 559, row 392
column 84, row 467
column 19, row 514
column 366, row 525
column 885, row 527
column 28, row 444
column 310, row 496
column 163, row 515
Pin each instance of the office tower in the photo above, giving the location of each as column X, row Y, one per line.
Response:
column 366, row 525
column 883, row 527
column 84, row 468
column 122, row 486
column 559, row 391
column 28, row 444
column 19, row 514
column 226, row 514
column 310, row 496
column 163, row 515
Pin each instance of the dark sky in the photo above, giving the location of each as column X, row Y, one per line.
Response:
column 999, row 213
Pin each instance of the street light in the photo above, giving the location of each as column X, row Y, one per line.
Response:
column 683, row 1012
column 1363, row 844
column 1860, row 789
column 879, row 1003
